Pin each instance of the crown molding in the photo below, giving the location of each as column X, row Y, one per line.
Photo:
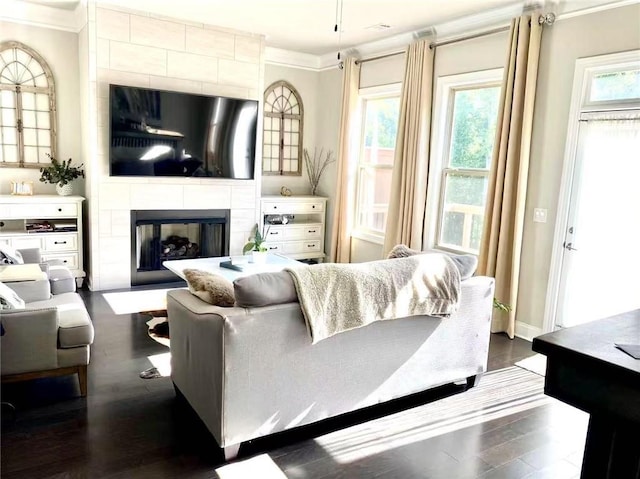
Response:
column 289, row 58
column 44, row 16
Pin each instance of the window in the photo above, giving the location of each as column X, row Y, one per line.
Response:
column 282, row 139
column 27, row 107
column 379, row 128
column 466, row 117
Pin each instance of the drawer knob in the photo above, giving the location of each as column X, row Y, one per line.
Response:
column 311, row 231
column 273, row 233
column 311, row 246
column 59, row 242
column 313, row 206
column 273, row 247
column 59, row 209
column 275, row 207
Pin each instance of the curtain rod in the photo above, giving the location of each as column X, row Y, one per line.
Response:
column 379, row 57
column 469, row 37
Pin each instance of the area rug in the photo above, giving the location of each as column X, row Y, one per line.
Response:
column 536, row 364
column 158, row 330
column 128, row 302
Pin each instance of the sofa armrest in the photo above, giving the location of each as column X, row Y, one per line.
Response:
column 30, row 340
column 31, row 255
column 31, row 291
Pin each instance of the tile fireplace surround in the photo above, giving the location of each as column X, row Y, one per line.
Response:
column 110, row 262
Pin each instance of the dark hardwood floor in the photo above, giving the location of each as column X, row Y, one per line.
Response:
column 130, row 427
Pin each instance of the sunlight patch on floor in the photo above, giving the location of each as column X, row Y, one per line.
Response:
column 162, row 362
column 261, row 466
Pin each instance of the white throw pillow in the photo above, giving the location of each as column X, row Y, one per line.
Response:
column 9, row 255
column 9, row 299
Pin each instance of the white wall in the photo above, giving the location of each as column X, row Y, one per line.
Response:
column 60, row 50
column 609, row 31
column 306, row 83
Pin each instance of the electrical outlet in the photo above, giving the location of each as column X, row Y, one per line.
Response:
column 539, row 215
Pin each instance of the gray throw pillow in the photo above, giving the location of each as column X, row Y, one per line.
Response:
column 9, row 299
column 466, row 263
column 265, row 289
column 212, row 288
column 9, row 255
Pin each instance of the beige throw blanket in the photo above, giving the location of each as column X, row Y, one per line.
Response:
column 339, row 297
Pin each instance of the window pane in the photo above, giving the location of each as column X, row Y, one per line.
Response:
column 615, row 86
column 475, row 113
column 42, row 101
column 380, row 130
column 29, row 136
column 30, row 154
column 10, row 154
column 9, row 136
column 463, row 211
column 44, row 137
column 29, row 119
column 8, row 117
column 374, row 189
column 7, row 99
column 28, row 101
column 43, row 119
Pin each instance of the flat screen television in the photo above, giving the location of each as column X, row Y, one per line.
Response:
column 162, row 133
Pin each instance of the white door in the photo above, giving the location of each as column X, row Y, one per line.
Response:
column 600, row 273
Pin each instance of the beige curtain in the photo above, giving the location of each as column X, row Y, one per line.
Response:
column 501, row 245
column 405, row 216
column 343, row 209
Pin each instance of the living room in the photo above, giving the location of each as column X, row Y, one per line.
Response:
column 91, row 46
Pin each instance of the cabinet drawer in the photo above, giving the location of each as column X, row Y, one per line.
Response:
column 270, row 207
column 302, row 247
column 61, row 243
column 54, row 210
column 273, row 247
column 275, row 233
column 70, row 260
column 303, row 232
column 24, row 242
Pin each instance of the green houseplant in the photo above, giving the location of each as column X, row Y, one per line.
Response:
column 256, row 241
column 61, row 174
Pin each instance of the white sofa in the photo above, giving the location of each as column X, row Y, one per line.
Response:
column 250, row 372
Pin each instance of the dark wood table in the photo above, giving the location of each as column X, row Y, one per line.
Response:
column 586, row 370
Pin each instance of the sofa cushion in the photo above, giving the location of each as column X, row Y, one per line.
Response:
column 9, row 255
column 9, row 299
column 466, row 263
column 212, row 288
column 62, row 281
column 265, row 289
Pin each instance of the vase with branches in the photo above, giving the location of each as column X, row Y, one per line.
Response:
column 316, row 165
column 61, row 174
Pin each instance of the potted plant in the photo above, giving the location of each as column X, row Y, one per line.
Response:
column 61, row 174
column 256, row 245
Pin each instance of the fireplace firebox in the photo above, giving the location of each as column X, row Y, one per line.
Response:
column 160, row 235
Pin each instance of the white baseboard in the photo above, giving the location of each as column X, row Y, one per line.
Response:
column 526, row 331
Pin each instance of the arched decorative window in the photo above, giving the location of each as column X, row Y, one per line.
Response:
column 27, row 107
column 282, row 140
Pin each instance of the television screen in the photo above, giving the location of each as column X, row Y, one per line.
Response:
column 161, row 133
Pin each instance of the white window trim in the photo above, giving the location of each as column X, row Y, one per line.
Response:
column 585, row 69
column 441, row 133
column 369, row 93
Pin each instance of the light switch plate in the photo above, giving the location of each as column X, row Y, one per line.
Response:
column 540, row 215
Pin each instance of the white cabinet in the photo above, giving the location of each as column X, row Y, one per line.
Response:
column 302, row 237
column 61, row 239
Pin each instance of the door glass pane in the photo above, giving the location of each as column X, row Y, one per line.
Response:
column 475, row 114
column 615, row 86
column 600, row 276
column 463, row 212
